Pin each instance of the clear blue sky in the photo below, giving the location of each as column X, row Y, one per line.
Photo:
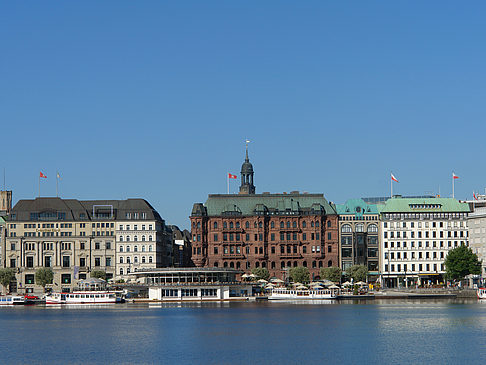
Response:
column 155, row 99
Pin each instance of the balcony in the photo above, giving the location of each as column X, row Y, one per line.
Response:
column 290, row 255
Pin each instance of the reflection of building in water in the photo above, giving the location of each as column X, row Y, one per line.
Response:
column 180, row 284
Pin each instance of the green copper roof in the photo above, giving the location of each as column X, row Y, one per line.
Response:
column 2, row 220
column 357, row 207
column 252, row 203
column 423, row 205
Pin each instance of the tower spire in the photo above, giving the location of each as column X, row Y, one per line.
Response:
column 247, row 186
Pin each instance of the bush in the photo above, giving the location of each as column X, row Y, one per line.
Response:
column 300, row 274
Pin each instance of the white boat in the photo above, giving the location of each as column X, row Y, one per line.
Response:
column 12, row 300
column 481, row 292
column 82, row 297
column 295, row 294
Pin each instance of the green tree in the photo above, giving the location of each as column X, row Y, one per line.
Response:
column 99, row 274
column 6, row 276
column 44, row 276
column 460, row 262
column 261, row 273
column 331, row 273
column 357, row 272
column 300, row 274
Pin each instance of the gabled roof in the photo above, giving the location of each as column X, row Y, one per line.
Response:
column 243, row 204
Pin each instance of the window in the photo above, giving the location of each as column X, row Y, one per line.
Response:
column 97, row 245
column 82, row 261
column 346, row 228
column 30, row 261
column 150, row 259
column 66, row 278
column 108, row 245
column 29, row 278
column 373, row 228
column 97, row 261
column 47, row 261
column 12, row 263
column 66, row 261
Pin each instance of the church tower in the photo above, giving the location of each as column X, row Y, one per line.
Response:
column 247, row 186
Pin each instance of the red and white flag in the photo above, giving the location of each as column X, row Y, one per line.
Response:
column 474, row 196
column 454, row 176
column 394, row 178
column 42, row 175
column 231, row 176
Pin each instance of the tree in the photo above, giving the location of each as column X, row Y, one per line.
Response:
column 331, row 273
column 357, row 272
column 99, row 274
column 44, row 276
column 460, row 262
column 261, row 273
column 300, row 274
column 6, row 276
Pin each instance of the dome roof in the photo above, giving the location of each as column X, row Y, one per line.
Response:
column 247, row 167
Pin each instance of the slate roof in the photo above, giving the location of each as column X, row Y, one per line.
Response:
column 75, row 209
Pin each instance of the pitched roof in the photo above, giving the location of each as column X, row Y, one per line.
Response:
column 357, row 207
column 242, row 204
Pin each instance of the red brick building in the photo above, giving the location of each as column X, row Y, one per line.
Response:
column 276, row 231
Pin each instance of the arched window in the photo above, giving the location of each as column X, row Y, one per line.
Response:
column 128, row 260
column 247, row 224
column 314, row 264
column 150, row 248
column 128, row 238
column 304, row 224
column 260, row 225
column 254, row 224
column 312, row 223
column 320, row 263
column 225, row 264
column 143, row 248
column 282, row 265
column 238, row 265
column 232, row 265
column 272, row 224
column 257, row 264
column 295, row 264
column 237, row 224
column 329, row 223
column 121, row 271
column 231, row 225
column 150, row 259
column 329, row 263
column 143, row 259
column 135, row 260
column 143, row 237
column 215, row 225
column 288, row 224
column 121, row 259
column 121, row 238
column 346, row 228
column 289, row 264
column 150, row 238
column 264, row 264
column 304, row 264
column 128, row 248
column 317, row 223
column 294, row 224
column 216, row 264
column 135, row 238
column 360, row 227
column 225, row 225
column 121, row 248
column 281, row 224
column 373, row 228
column 273, row 264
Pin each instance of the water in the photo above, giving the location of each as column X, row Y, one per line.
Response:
column 374, row 332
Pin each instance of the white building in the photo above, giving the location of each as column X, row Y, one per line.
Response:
column 477, row 234
column 417, row 234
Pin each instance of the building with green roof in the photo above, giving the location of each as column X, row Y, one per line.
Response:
column 416, row 235
column 359, row 236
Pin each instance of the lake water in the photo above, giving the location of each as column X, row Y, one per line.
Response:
column 374, row 332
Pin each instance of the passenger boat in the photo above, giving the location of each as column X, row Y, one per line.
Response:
column 481, row 292
column 82, row 297
column 12, row 300
column 91, row 291
column 294, row 294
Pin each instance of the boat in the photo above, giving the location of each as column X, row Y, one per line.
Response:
column 12, row 300
column 298, row 294
column 481, row 292
column 90, row 291
column 82, row 297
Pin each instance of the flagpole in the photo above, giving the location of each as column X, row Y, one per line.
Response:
column 39, row 185
column 391, row 187
column 57, row 187
column 452, row 185
column 227, row 177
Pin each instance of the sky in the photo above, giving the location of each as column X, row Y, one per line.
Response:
column 155, row 99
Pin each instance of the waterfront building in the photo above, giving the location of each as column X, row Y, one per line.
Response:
column 476, row 223
column 182, row 247
column 273, row 231
column 192, row 284
column 359, row 233
column 416, row 235
column 75, row 237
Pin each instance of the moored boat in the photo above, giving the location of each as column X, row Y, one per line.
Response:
column 12, row 300
column 82, row 297
column 294, row 294
column 481, row 292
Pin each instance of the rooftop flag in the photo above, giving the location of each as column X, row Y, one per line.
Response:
column 394, row 178
column 231, row 176
column 42, row 175
column 454, row 176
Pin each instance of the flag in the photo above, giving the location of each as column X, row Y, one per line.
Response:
column 394, row 178
column 454, row 176
column 230, row 176
column 42, row 175
column 474, row 196
column 58, row 175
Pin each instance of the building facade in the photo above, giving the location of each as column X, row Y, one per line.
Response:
column 476, row 223
column 416, row 235
column 359, row 228
column 74, row 237
column 273, row 231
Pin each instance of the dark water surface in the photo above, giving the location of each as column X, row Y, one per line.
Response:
column 375, row 332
